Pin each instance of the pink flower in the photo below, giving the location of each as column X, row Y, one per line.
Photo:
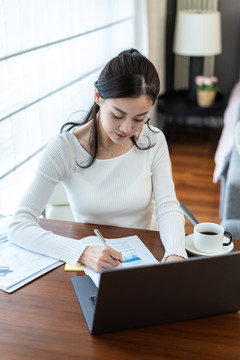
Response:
column 199, row 80
column 207, row 81
column 214, row 79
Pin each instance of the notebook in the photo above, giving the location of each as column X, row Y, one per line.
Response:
column 160, row 293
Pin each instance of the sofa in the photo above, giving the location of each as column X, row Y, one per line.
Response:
column 230, row 193
column 227, row 169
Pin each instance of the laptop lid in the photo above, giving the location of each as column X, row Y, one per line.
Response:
column 161, row 293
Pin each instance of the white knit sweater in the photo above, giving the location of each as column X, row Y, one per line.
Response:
column 115, row 191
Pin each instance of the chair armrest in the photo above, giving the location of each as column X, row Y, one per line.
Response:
column 233, row 226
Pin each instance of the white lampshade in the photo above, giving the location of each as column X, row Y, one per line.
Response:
column 197, row 33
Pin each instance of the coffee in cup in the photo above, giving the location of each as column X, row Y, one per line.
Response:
column 209, row 237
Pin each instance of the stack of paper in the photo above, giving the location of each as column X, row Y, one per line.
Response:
column 17, row 265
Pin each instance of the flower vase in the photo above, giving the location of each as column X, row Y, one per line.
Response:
column 205, row 98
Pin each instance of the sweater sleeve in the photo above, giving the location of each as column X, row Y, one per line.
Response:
column 169, row 216
column 24, row 229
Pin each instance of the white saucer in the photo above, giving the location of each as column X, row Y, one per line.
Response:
column 192, row 250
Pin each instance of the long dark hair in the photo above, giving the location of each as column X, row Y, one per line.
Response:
column 130, row 74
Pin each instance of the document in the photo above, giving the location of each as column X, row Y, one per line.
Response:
column 17, row 265
column 134, row 253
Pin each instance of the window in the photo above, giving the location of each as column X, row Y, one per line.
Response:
column 51, row 52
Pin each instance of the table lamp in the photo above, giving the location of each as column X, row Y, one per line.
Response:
column 197, row 34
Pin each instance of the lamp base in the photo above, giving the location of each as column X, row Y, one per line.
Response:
column 195, row 68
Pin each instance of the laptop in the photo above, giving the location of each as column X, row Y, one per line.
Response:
column 160, row 293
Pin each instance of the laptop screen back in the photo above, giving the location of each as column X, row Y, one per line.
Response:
column 162, row 293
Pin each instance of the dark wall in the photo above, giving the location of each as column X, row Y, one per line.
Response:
column 169, row 61
column 227, row 64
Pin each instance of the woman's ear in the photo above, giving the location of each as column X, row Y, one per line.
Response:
column 97, row 97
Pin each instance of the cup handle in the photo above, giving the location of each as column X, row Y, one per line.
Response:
column 227, row 234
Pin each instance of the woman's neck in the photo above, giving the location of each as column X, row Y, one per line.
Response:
column 108, row 148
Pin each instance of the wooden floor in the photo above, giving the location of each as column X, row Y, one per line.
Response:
column 192, row 153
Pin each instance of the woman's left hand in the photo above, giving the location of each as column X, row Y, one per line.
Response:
column 174, row 258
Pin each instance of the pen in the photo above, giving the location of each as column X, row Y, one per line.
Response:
column 99, row 235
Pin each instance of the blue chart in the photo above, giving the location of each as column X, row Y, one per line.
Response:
column 4, row 270
column 131, row 258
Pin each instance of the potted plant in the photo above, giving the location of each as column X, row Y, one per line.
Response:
column 206, row 90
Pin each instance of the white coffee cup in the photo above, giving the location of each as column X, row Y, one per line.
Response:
column 209, row 237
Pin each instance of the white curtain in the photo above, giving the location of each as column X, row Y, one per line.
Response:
column 141, row 27
column 156, row 17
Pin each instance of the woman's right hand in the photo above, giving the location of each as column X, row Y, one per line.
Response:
column 100, row 257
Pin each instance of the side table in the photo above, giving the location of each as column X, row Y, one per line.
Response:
column 175, row 104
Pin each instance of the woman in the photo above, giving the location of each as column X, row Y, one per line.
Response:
column 111, row 166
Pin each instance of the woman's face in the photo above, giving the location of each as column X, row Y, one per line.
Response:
column 123, row 117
